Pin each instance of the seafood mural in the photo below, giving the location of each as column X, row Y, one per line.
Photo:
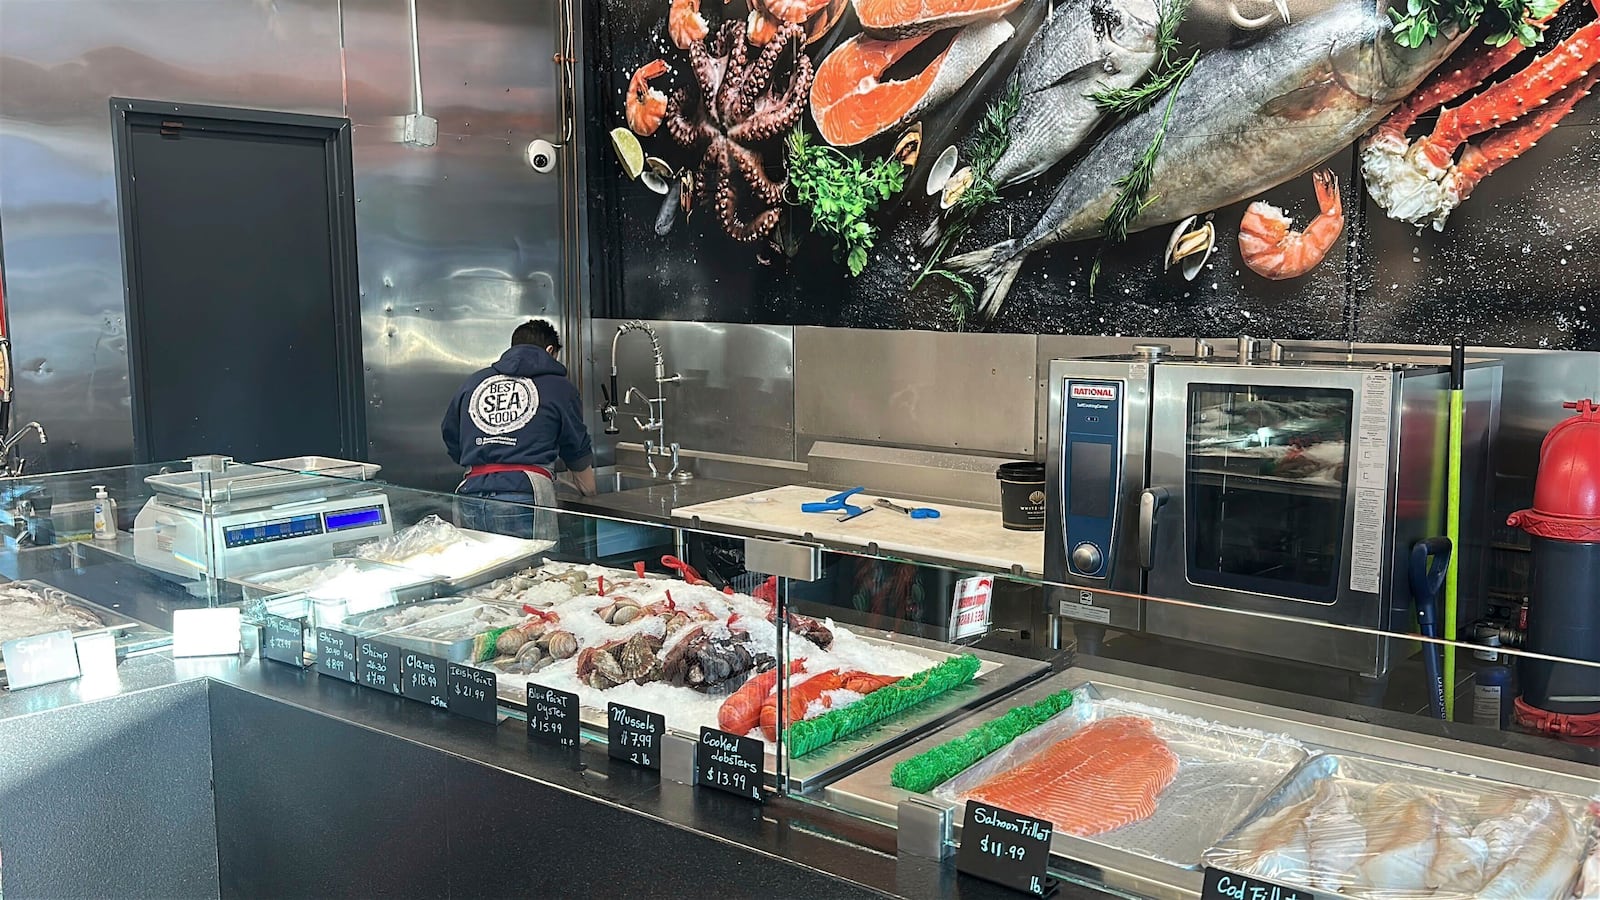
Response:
column 1364, row 170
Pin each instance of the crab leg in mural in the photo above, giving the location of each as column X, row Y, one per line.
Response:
column 1246, row 120
column 1420, row 183
column 744, row 99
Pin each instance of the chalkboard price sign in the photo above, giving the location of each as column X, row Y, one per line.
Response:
column 1220, row 885
column 1007, row 848
column 729, row 762
column 378, row 666
column 426, row 679
column 552, row 715
column 283, row 640
column 634, row 735
column 472, row 693
column 336, row 654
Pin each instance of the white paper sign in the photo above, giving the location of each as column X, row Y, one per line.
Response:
column 40, row 659
column 969, row 611
column 97, row 655
column 205, row 632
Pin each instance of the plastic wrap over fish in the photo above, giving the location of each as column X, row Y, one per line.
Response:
column 1222, row 773
column 1359, row 827
column 438, row 548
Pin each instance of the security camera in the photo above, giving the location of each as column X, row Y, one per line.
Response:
column 542, row 156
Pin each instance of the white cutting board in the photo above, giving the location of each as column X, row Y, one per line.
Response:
column 961, row 534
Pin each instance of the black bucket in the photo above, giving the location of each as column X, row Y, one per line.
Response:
column 1022, row 495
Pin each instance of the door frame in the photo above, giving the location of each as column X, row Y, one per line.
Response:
column 335, row 134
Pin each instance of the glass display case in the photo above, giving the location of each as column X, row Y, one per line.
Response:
column 903, row 694
column 1159, row 761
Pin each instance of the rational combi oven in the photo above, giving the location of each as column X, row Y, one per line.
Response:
column 1287, row 486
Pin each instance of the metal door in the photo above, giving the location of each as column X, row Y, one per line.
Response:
column 1251, row 507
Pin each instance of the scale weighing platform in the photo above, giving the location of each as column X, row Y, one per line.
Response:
column 261, row 518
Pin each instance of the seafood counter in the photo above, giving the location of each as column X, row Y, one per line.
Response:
column 29, row 608
column 697, row 655
column 1146, row 786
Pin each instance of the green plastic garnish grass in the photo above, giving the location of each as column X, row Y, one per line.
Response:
column 842, row 191
column 928, row 770
column 807, row 735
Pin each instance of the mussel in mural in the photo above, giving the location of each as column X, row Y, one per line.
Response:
column 982, row 132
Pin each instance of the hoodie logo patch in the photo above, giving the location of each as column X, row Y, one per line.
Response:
column 503, row 403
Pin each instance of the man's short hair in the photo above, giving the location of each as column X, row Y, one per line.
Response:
column 538, row 333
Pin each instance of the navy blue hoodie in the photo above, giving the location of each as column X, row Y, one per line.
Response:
column 520, row 411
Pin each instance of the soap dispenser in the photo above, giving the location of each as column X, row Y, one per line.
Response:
column 105, row 515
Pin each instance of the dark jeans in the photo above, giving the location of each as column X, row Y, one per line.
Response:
column 512, row 513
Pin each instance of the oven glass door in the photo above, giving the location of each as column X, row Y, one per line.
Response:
column 1267, row 469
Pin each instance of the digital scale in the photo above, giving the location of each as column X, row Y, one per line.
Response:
column 261, row 518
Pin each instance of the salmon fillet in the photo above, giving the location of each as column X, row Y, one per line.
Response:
column 1106, row 775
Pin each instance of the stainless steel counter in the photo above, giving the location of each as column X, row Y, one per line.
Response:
column 651, row 501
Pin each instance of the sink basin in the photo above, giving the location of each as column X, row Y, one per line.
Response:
column 611, row 480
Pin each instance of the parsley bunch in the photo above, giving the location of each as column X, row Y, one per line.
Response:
column 1504, row 20
column 842, row 191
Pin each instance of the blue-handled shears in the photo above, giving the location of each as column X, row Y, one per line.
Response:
column 838, row 503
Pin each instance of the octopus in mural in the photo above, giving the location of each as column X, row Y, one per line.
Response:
column 746, row 95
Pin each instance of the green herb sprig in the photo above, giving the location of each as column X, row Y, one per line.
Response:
column 1502, row 20
column 1167, row 77
column 989, row 143
column 842, row 191
column 1134, row 100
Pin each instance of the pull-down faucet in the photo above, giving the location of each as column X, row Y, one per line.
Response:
column 10, row 444
column 657, row 405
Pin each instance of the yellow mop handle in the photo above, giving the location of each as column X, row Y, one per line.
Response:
column 1452, row 531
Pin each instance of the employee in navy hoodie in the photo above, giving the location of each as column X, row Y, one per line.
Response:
column 509, row 424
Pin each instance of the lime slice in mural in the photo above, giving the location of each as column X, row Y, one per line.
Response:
column 628, row 151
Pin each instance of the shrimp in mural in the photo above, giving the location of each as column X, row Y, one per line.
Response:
column 685, row 25
column 646, row 106
column 1273, row 250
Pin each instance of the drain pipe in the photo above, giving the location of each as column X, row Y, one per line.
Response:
column 420, row 129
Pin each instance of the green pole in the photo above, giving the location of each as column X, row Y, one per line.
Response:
column 1453, row 522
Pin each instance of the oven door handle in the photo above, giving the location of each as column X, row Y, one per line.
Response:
column 1150, row 503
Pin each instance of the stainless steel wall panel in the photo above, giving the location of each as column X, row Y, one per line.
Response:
column 737, row 393
column 459, row 242
column 974, row 393
column 1536, row 383
column 60, row 63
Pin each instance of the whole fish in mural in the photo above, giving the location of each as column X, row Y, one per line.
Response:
column 1247, row 119
column 1084, row 46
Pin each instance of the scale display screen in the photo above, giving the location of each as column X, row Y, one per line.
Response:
column 276, row 530
column 353, row 518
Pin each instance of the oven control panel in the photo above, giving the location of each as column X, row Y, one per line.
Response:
column 1091, row 457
